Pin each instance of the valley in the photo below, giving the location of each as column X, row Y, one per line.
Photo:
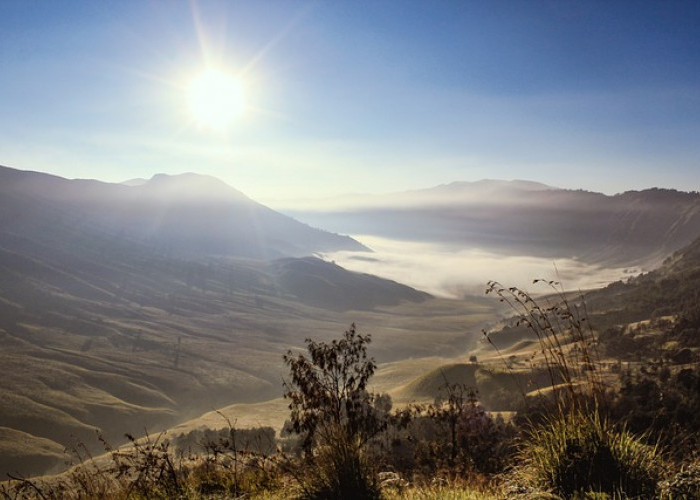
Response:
column 107, row 329
column 341, row 250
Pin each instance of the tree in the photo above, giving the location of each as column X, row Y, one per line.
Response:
column 330, row 387
column 332, row 410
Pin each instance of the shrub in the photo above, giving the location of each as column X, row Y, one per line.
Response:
column 578, row 452
column 338, row 469
column 331, row 407
column 330, row 387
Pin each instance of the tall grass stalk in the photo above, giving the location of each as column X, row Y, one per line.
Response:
column 567, row 342
column 576, row 450
column 454, row 487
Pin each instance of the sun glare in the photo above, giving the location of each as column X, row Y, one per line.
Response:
column 216, row 99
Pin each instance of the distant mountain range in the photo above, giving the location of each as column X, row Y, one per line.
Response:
column 181, row 215
column 526, row 218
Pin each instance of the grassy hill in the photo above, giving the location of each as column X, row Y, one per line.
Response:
column 113, row 336
column 125, row 307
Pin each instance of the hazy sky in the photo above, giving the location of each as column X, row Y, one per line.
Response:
column 352, row 96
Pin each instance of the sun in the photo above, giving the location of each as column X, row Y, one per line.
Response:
column 216, row 99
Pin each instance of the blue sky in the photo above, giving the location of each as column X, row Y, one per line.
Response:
column 353, row 96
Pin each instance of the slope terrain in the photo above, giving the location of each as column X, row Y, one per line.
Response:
column 670, row 293
column 107, row 326
column 184, row 215
column 128, row 339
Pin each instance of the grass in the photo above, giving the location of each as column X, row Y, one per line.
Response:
column 230, row 354
column 575, row 450
column 202, row 481
column 429, row 386
column 443, row 490
column 580, row 452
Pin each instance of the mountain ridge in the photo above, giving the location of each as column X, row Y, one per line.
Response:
column 627, row 229
column 187, row 214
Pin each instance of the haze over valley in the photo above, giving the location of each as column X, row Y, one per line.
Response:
column 453, row 238
column 143, row 304
column 352, row 249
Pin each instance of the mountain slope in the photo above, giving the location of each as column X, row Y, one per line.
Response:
column 652, row 315
column 121, row 309
column 187, row 214
column 327, row 285
column 122, row 338
column 671, row 290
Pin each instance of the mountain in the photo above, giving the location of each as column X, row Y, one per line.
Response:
column 186, row 214
column 653, row 315
column 118, row 337
column 132, row 307
column 521, row 217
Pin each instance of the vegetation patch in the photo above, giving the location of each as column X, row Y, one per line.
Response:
column 577, row 452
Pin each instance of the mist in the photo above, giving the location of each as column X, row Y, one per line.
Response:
column 447, row 271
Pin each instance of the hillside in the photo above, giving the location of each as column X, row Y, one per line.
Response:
column 653, row 313
column 126, row 307
column 672, row 290
column 525, row 218
column 186, row 215
column 121, row 338
column 328, row 285
column 106, row 329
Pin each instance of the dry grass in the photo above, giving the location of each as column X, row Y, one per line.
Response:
column 576, row 450
column 124, row 379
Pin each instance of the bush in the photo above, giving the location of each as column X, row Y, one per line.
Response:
column 338, row 469
column 332, row 409
column 578, row 452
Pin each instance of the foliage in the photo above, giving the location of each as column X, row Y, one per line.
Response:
column 453, row 433
column 663, row 404
column 331, row 407
column 261, row 440
column 338, row 469
column 148, row 468
column 330, row 387
column 570, row 448
column 685, row 485
column 579, row 452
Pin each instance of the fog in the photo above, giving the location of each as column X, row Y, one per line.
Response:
column 447, row 271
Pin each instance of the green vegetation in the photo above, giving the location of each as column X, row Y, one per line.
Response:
column 578, row 452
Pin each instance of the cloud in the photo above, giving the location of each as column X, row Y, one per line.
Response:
column 454, row 272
